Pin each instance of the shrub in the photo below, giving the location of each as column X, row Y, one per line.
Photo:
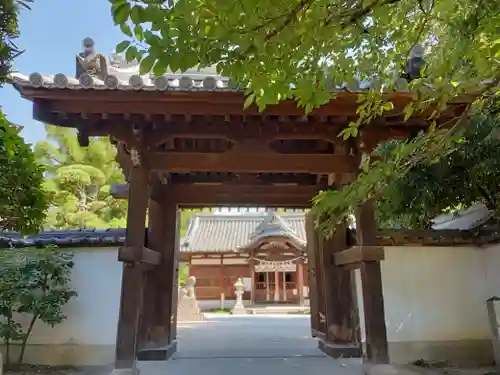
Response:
column 36, row 283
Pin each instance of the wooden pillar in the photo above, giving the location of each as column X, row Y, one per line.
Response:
column 377, row 351
column 284, row 287
column 300, row 281
column 158, row 342
column 133, row 273
column 276, row 286
column 314, row 295
column 175, row 281
column 268, row 295
column 221, row 282
column 154, row 237
column 251, row 264
column 341, row 315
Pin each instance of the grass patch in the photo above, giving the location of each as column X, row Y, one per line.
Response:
column 220, row 311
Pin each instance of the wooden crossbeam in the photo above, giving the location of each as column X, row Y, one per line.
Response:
column 358, row 254
column 131, row 254
column 250, row 162
column 198, row 195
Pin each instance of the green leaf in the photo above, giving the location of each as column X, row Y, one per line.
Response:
column 249, row 100
column 121, row 13
column 139, row 33
column 147, row 64
column 125, row 28
column 160, row 67
column 122, row 46
column 136, row 15
column 388, row 106
column 131, row 53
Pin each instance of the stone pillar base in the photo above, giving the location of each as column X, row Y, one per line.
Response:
column 161, row 353
column 340, row 351
column 239, row 310
column 125, row 371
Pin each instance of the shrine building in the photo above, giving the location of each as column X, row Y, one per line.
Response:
column 266, row 249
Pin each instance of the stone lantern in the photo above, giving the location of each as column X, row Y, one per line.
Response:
column 239, row 287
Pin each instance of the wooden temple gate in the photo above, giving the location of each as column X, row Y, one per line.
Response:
column 190, row 147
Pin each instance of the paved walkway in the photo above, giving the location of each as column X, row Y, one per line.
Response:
column 249, row 345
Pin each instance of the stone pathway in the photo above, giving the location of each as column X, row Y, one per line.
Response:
column 249, row 345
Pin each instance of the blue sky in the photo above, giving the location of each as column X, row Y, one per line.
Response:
column 51, row 35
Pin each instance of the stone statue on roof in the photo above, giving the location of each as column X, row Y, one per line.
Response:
column 91, row 62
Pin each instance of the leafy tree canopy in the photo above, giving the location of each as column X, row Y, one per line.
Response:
column 78, row 181
column 469, row 173
column 299, row 49
column 8, row 33
column 22, row 201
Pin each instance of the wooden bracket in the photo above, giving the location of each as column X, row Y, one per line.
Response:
column 358, row 254
column 135, row 254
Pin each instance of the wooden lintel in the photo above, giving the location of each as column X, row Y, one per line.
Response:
column 358, row 254
column 192, row 195
column 250, row 162
column 234, row 131
column 133, row 254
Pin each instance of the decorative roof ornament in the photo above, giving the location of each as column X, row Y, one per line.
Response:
column 415, row 63
column 90, row 61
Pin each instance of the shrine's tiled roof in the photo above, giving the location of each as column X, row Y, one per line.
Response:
column 221, row 233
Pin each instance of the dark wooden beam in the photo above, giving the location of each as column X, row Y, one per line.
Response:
column 377, row 350
column 341, row 315
column 155, row 334
column 250, row 162
column 161, row 128
column 236, row 128
column 203, row 103
column 357, row 254
column 140, row 254
column 192, row 195
column 133, row 274
column 317, row 322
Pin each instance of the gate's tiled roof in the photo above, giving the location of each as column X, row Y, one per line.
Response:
column 228, row 232
column 66, row 238
column 188, row 81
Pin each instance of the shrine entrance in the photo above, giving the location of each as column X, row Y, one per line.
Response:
column 185, row 140
column 278, row 270
column 275, row 287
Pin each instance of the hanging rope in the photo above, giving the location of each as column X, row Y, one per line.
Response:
column 269, row 266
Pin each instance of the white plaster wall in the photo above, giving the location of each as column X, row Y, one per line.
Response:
column 493, row 270
column 93, row 314
column 434, row 301
column 430, row 293
column 435, row 297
